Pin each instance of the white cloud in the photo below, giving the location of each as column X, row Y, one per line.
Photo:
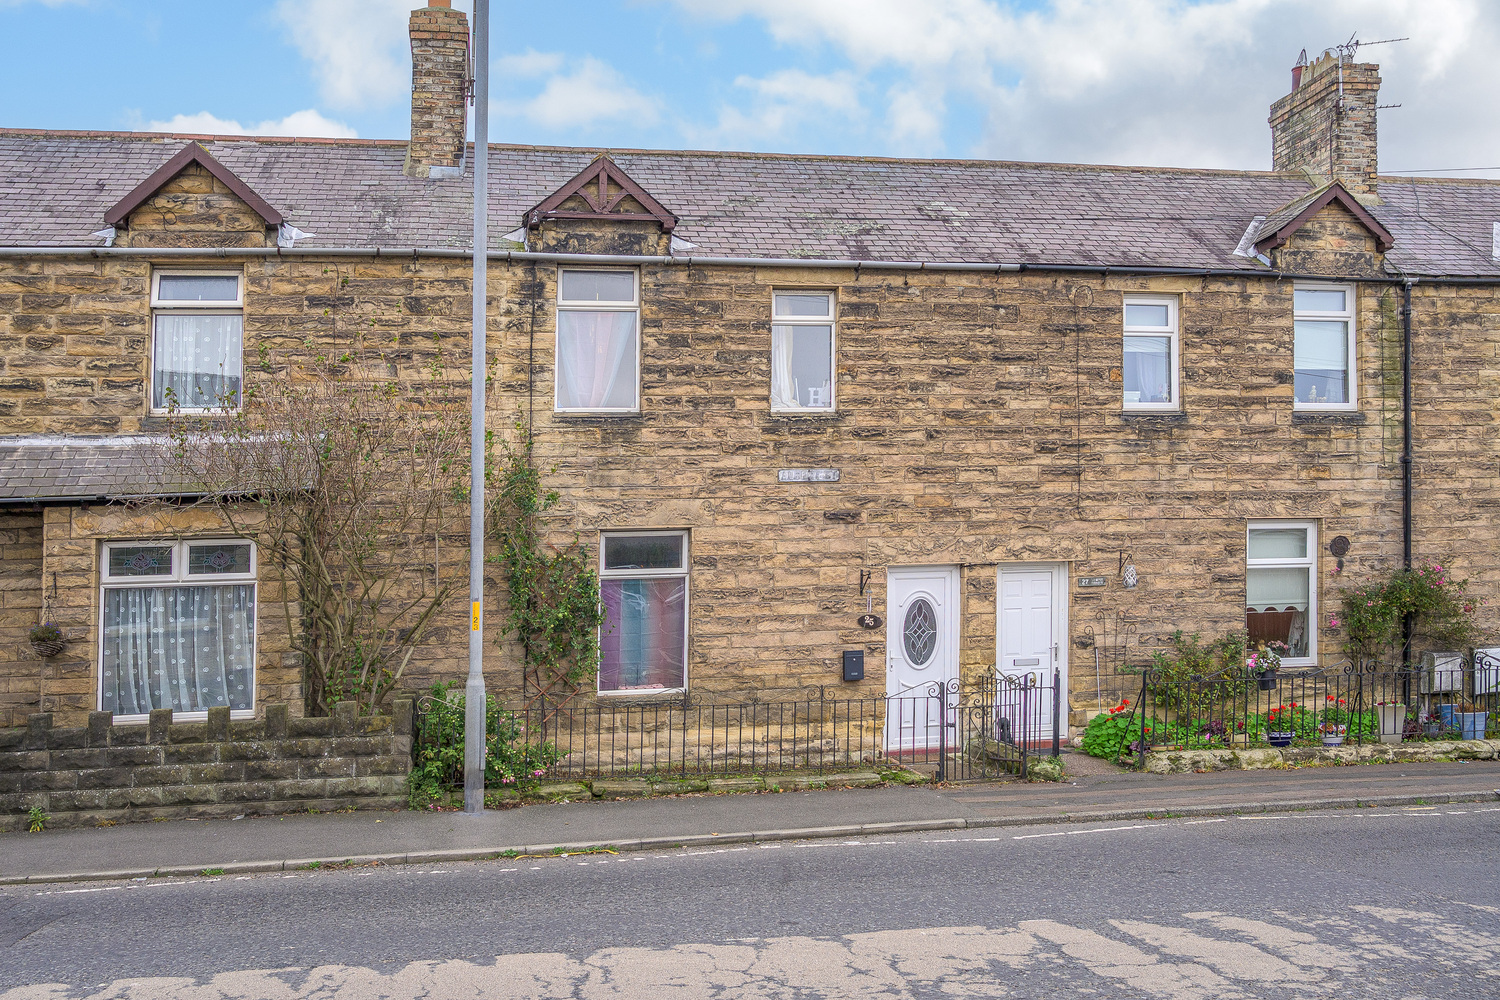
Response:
column 298, row 123
column 1150, row 81
column 587, row 92
column 783, row 102
column 360, row 50
column 528, row 64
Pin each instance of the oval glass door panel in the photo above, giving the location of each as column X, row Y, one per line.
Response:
column 919, row 632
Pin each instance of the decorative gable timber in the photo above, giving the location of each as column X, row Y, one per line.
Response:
column 602, row 191
column 192, row 153
column 1282, row 224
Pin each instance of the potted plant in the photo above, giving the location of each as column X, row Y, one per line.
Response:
column 1433, row 726
column 1281, row 725
column 1469, row 723
column 1335, row 722
column 1392, row 720
column 47, row 639
column 1264, row 663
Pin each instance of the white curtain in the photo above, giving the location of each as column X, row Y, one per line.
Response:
column 1276, row 589
column 596, row 358
column 199, row 358
column 1148, row 368
column 783, row 389
column 184, row 648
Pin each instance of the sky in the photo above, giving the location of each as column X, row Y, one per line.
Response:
column 1147, row 82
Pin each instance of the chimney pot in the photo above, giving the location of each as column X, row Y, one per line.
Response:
column 439, row 91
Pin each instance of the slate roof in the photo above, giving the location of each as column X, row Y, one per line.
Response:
column 56, row 187
column 83, row 468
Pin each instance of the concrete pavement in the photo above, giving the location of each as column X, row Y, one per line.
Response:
column 286, row 842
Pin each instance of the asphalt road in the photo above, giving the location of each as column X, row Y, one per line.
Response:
column 1369, row 903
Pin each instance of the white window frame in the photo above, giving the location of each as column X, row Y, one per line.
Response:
column 1309, row 562
column 565, row 305
column 829, row 321
column 1351, row 307
column 1171, row 332
column 179, row 577
column 177, row 307
column 683, row 572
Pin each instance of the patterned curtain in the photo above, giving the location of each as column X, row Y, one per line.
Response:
column 184, row 648
column 643, row 645
column 199, row 358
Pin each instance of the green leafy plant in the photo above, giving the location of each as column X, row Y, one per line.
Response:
column 1109, row 732
column 553, row 593
column 1442, row 612
column 1192, row 675
column 45, row 632
column 510, row 760
column 36, row 819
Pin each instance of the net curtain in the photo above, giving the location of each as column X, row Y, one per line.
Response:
column 184, row 648
column 198, row 358
column 596, row 360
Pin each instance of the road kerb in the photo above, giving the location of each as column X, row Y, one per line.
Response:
column 758, row 836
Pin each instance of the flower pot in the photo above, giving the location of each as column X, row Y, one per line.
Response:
column 1333, row 735
column 1280, row 739
column 1267, row 681
column 1470, row 725
column 1392, row 722
column 48, row 647
column 1433, row 730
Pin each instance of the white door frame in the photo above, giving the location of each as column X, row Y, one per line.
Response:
column 1059, row 571
column 923, row 730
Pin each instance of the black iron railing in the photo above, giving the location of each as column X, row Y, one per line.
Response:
column 951, row 731
column 1448, row 696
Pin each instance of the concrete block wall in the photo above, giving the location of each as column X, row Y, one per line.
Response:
column 101, row 772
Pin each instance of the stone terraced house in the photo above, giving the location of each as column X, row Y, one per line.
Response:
column 1039, row 415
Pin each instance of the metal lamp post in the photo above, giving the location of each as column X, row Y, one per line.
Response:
column 474, row 699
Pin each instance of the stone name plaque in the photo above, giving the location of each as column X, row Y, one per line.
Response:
column 808, row 476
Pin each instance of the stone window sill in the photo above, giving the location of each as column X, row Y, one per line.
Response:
column 1326, row 417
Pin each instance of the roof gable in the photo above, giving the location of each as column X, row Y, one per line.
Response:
column 191, row 153
column 1285, row 221
column 604, row 191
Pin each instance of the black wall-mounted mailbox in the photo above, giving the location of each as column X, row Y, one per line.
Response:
column 854, row 664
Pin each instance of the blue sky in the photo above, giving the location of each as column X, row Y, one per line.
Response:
column 1156, row 82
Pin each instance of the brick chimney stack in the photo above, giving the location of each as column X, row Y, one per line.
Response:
column 439, row 91
column 1325, row 128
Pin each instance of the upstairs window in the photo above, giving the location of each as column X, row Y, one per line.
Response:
column 1150, row 357
column 598, row 341
column 1323, row 319
column 643, row 585
column 197, row 340
column 177, row 628
column 802, row 351
column 1281, row 597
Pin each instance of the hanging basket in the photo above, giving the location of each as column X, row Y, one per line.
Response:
column 48, row 647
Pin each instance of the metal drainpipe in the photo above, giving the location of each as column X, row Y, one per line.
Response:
column 1406, row 460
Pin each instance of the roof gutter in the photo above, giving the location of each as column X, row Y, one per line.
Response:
column 529, row 256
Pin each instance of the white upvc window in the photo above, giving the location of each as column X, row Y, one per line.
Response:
column 1281, row 588
column 598, row 366
column 643, row 586
column 177, row 628
column 197, row 340
column 802, row 351
column 1151, row 362
column 1323, row 327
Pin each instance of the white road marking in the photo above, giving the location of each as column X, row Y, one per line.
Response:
column 1074, row 833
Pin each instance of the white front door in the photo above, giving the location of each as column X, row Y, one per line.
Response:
column 921, row 642
column 1032, row 620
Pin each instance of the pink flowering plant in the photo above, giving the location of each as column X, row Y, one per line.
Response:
column 1441, row 608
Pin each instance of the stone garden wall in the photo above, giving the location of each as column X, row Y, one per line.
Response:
column 101, row 772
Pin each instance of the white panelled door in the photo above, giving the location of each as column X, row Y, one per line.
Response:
column 1032, row 624
column 921, row 642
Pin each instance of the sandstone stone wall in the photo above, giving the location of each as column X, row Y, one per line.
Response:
column 195, row 209
column 23, row 674
column 979, row 424
column 100, row 772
